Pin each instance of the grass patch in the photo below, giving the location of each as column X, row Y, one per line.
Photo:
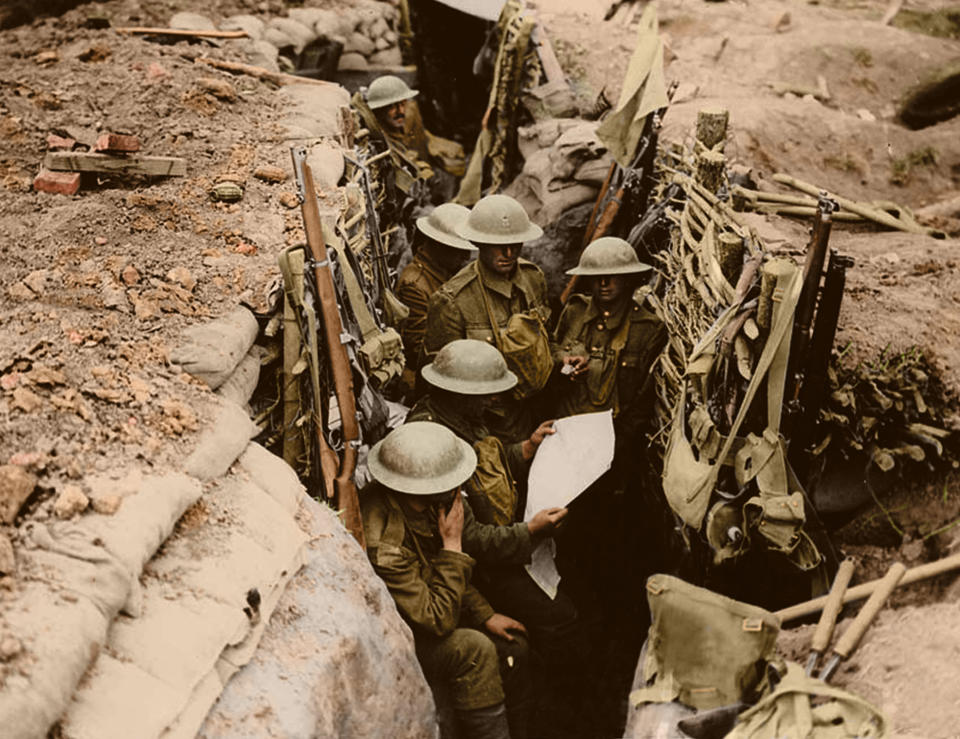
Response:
column 902, row 168
column 943, row 23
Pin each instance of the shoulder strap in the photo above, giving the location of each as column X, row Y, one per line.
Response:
column 494, row 327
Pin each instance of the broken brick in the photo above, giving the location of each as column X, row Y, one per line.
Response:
column 117, row 142
column 60, row 142
column 63, row 183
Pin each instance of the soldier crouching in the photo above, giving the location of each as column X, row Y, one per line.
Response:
column 417, row 529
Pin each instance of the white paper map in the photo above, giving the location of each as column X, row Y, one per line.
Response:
column 566, row 464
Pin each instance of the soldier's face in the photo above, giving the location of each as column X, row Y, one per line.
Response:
column 395, row 115
column 500, row 259
column 608, row 289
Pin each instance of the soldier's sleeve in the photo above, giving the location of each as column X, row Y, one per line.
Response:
column 475, row 609
column 496, row 544
column 444, row 324
column 432, row 604
column 413, row 328
column 515, row 461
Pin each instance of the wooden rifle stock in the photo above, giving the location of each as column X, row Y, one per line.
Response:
column 344, row 485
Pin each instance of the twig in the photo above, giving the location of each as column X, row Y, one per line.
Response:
column 142, row 30
column 892, row 9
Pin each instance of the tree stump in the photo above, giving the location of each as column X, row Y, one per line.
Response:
column 730, row 255
column 712, row 127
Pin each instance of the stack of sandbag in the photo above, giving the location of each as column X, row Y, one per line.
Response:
column 564, row 166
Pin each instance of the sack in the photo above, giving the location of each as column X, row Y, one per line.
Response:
column 704, row 649
column 787, row 711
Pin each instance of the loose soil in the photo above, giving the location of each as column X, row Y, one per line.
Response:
column 97, row 287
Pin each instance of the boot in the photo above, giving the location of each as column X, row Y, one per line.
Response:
column 484, row 723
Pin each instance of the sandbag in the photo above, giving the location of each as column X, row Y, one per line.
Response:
column 239, row 386
column 211, row 351
column 221, row 443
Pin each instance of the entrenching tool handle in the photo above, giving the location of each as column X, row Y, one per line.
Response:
column 828, row 619
column 851, row 637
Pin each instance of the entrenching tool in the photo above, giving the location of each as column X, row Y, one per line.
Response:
column 828, row 619
column 851, row 637
column 712, row 724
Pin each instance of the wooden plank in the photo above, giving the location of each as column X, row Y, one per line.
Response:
column 141, row 30
column 278, row 78
column 80, row 161
column 551, row 65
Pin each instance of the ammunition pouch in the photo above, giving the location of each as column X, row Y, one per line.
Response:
column 704, row 650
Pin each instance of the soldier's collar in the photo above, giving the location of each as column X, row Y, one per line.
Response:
column 496, row 282
column 614, row 315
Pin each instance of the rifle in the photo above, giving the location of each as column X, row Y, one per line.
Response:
column 344, row 483
column 393, row 308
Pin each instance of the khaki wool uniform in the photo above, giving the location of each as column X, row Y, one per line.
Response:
column 420, row 279
column 457, row 311
column 621, row 344
column 431, row 588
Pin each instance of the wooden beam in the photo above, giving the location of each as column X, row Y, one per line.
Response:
column 551, row 65
column 80, row 161
column 142, row 30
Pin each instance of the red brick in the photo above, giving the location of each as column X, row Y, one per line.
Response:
column 117, row 142
column 59, row 142
column 64, row 183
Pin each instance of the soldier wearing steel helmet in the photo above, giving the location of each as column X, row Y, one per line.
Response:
column 462, row 379
column 388, row 110
column 437, row 258
column 418, row 533
column 485, row 298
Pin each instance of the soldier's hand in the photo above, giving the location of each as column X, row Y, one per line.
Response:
column 578, row 364
column 450, row 524
column 501, row 626
column 529, row 447
column 546, row 521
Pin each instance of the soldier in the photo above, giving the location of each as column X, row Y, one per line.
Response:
column 501, row 299
column 418, row 533
column 604, row 346
column 463, row 377
column 440, row 255
column 417, row 154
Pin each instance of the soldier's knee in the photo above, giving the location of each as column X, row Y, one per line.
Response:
column 473, row 648
column 476, row 674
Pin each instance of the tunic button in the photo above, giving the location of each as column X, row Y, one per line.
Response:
column 594, row 348
column 490, row 339
column 599, row 327
column 606, row 314
column 623, row 364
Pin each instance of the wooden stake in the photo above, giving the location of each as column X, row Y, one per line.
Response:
column 144, row 30
column 730, row 255
column 710, row 169
column 712, row 127
column 278, row 78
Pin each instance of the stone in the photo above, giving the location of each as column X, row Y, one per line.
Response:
column 270, row 173
column 298, row 35
column 352, row 62
column 130, row 275
column 10, row 647
column 360, row 44
column 192, row 22
column 253, row 26
column 19, row 291
column 263, row 227
column 262, row 53
column 37, row 280
column 70, row 502
column 387, row 58
column 16, row 485
column 58, row 183
column 219, row 88
column 26, row 400
column 288, row 200
column 183, row 277
column 8, row 561
column 106, row 505
column 113, row 295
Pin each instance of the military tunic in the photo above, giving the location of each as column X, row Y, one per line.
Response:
column 621, row 343
column 431, row 588
column 458, row 311
column 420, row 279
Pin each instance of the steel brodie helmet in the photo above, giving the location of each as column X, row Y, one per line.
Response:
column 609, row 255
column 470, row 367
column 499, row 219
column 387, row 90
column 441, row 225
column 422, row 458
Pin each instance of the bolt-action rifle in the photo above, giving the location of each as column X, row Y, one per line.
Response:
column 344, row 484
